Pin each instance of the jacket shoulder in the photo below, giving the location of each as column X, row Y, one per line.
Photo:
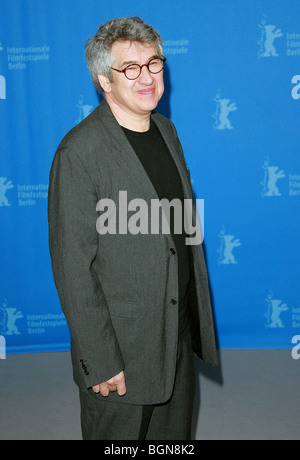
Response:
column 84, row 133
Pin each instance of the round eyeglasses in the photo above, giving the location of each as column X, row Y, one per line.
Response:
column 133, row 71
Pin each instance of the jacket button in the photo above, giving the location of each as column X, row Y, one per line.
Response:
column 172, row 251
column 174, row 302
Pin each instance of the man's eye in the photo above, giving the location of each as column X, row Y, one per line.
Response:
column 132, row 67
column 155, row 63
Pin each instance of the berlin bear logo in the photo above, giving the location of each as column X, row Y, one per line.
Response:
column 269, row 33
column 228, row 243
column 8, row 318
column 4, row 186
column 271, row 176
column 275, row 308
column 223, row 109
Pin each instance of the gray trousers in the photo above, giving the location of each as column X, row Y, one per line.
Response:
column 172, row 420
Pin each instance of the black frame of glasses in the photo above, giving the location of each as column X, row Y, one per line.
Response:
column 163, row 59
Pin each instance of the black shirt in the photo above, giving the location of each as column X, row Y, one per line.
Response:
column 158, row 163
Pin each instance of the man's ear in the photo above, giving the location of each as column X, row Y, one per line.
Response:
column 104, row 83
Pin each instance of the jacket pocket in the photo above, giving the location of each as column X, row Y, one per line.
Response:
column 123, row 308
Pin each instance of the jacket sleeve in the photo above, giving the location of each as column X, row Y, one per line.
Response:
column 73, row 243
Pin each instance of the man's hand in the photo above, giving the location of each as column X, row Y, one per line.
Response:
column 116, row 383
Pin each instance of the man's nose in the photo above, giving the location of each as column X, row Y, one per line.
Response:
column 145, row 75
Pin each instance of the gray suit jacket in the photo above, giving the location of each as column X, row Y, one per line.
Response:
column 116, row 290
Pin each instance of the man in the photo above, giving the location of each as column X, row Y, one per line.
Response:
column 136, row 302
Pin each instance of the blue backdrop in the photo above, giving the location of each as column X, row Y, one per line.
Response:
column 232, row 90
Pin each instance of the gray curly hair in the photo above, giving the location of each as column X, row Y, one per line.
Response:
column 98, row 48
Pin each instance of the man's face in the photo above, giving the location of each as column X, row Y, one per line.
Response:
column 140, row 96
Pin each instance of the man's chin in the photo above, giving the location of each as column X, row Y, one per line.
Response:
column 147, row 107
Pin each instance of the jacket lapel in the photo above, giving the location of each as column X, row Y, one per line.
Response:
column 125, row 156
column 173, row 149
